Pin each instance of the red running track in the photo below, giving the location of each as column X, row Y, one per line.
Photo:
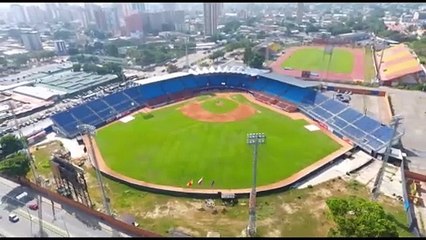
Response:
column 356, row 75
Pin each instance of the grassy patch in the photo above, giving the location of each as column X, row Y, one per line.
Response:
column 313, row 59
column 172, row 149
column 369, row 71
column 42, row 155
column 289, row 214
column 219, row 105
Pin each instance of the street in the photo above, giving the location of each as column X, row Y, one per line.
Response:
column 60, row 221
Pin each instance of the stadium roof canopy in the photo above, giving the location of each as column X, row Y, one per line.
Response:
column 162, row 78
column 397, row 62
column 290, row 80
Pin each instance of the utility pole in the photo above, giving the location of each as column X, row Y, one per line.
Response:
column 379, row 178
column 254, row 139
column 90, row 132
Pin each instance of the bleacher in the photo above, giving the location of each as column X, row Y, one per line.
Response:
column 345, row 121
column 342, row 119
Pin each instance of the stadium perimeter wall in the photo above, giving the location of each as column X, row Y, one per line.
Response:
column 115, row 223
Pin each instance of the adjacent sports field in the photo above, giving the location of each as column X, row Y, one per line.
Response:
column 171, row 148
column 314, row 59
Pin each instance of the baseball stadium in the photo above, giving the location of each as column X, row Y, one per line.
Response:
column 186, row 133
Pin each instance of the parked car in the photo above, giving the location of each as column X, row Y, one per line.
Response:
column 13, row 217
column 33, row 206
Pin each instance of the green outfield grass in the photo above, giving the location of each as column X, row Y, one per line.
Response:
column 219, row 105
column 313, row 59
column 172, row 149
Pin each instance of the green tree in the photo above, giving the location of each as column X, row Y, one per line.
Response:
column 256, row 61
column 76, row 67
column 10, row 144
column 16, row 165
column 111, row 50
column 217, row 54
column 3, row 61
column 62, row 34
column 231, row 26
column 171, row 68
column 357, row 217
column 102, row 70
column 21, row 59
column 248, row 55
column 89, row 67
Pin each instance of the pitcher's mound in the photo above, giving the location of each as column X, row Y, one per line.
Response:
column 195, row 111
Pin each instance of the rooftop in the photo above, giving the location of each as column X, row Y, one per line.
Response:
column 398, row 61
column 71, row 82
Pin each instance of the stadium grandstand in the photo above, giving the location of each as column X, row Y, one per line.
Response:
column 399, row 64
column 336, row 116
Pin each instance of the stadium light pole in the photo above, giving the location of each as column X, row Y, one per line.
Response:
column 379, row 178
column 254, row 139
column 90, row 131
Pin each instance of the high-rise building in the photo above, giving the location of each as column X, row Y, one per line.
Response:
column 138, row 7
column 169, row 6
column 60, row 47
column 299, row 16
column 134, row 23
column 100, row 20
column 35, row 14
column 18, row 13
column 113, row 19
column 211, row 15
column 31, row 40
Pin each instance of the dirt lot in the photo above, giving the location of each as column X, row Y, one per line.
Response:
column 293, row 213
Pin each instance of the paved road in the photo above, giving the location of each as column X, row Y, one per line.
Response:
column 63, row 221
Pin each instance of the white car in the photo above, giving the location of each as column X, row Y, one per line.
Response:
column 13, row 217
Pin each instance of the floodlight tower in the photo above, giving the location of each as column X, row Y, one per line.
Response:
column 396, row 121
column 254, row 139
column 90, row 131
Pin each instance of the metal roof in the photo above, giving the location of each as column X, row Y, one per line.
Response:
column 290, row 80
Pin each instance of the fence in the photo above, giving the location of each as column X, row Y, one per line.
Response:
column 116, row 224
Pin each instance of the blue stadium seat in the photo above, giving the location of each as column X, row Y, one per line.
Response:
column 190, row 83
column 81, row 112
column 276, row 88
column 383, row 133
column 350, row 115
column 63, row 118
column 215, row 80
column 97, row 105
column 339, row 123
column 321, row 112
column 373, row 143
column 353, row 132
column 172, row 86
column 257, row 84
column 107, row 114
column 333, row 106
column 295, row 94
column 135, row 93
column 367, row 124
column 151, row 90
column 235, row 80
column 201, row 81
